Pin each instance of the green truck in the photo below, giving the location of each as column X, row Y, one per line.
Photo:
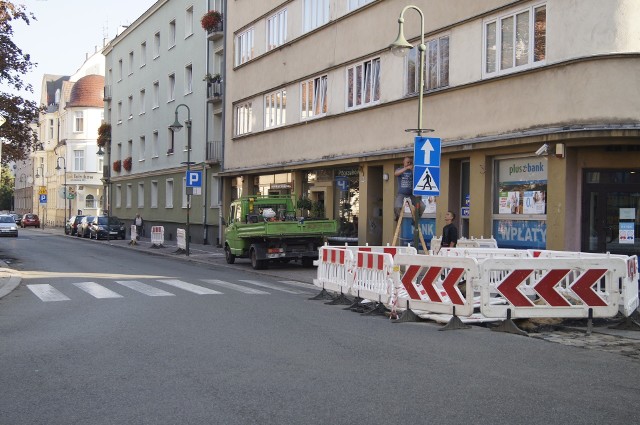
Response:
column 266, row 228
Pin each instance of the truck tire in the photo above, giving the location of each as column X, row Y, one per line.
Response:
column 255, row 263
column 228, row 255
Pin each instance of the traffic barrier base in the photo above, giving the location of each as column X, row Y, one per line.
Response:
column 322, row 295
column 508, row 326
column 454, row 324
column 407, row 316
column 341, row 299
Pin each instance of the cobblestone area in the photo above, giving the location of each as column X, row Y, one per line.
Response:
column 596, row 341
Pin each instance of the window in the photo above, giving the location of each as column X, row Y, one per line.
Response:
column 142, row 148
column 154, row 145
column 119, row 112
column 516, row 41
column 275, row 109
column 128, row 201
column 171, row 94
column 188, row 79
column 130, row 62
column 78, row 121
column 314, row 97
column 156, row 94
column 130, row 104
column 154, row 194
column 143, row 54
column 141, row 195
column 142, row 101
column 156, row 45
column 436, row 67
column 120, row 70
column 172, row 34
column 244, row 47
column 215, row 193
column 169, row 194
column 118, row 196
column 363, row 84
column 244, row 118
column 50, row 129
column 90, row 201
column 277, row 29
column 188, row 22
column 354, row 4
column 170, row 138
column 78, row 160
column 316, row 13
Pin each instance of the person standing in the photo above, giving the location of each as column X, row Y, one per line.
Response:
column 404, row 175
column 139, row 222
column 449, row 231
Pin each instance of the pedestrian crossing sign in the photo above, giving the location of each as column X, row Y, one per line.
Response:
column 426, row 169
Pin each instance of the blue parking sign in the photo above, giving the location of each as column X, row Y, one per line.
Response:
column 43, row 199
column 194, row 178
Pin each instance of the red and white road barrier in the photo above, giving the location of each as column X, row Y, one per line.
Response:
column 477, row 243
column 335, row 269
column 374, row 276
column 134, row 233
column 181, row 239
column 157, row 236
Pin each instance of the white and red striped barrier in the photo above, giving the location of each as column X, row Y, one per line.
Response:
column 335, row 269
column 374, row 276
column 181, row 239
column 157, row 236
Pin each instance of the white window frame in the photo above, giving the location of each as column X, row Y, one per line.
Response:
column 243, row 115
column 78, row 160
column 142, row 149
column 120, row 112
column 154, row 144
column 171, row 89
column 156, row 94
column 313, row 97
column 143, row 54
column 492, row 64
column 172, row 35
column 215, row 193
column 131, row 59
column 156, row 45
column 120, row 70
column 355, row 4
column 143, row 95
column 154, row 194
column 140, row 194
column 130, row 104
column 277, row 29
column 128, row 196
column 78, row 121
column 90, row 201
column 435, row 62
column 365, row 75
column 168, row 201
column 315, row 14
column 188, row 79
column 244, row 46
column 50, row 129
column 275, row 109
column 188, row 22
column 118, row 196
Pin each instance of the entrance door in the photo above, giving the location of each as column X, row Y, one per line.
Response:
column 611, row 211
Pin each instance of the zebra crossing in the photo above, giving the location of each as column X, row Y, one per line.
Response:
column 167, row 288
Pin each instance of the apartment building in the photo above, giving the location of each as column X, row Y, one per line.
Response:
column 535, row 103
column 156, row 72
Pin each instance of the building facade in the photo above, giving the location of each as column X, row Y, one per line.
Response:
column 156, row 72
column 534, row 101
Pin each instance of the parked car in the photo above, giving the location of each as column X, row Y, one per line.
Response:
column 83, row 226
column 104, row 226
column 8, row 226
column 17, row 218
column 30, row 220
column 71, row 228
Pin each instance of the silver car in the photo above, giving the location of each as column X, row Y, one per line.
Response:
column 8, row 226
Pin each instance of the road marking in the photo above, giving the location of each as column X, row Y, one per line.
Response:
column 228, row 285
column 47, row 293
column 97, row 291
column 298, row 284
column 200, row 290
column 145, row 289
column 274, row 287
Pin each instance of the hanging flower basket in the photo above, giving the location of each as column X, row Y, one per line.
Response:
column 104, row 134
column 127, row 164
column 211, row 21
column 117, row 166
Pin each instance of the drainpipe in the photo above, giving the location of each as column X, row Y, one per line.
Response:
column 223, row 73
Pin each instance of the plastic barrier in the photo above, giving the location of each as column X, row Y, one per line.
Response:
column 436, row 244
column 335, row 269
column 477, row 243
column 181, row 239
column 563, row 287
column 157, row 236
column 134, row 233
column 393, row 250
column 373, row 276
column 439, row 277
column 483, row 252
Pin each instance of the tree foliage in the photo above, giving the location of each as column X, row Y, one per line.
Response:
column 6, row 189
column 19, row 138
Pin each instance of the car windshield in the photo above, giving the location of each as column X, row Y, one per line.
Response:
column 7, row 219
column 110, row 220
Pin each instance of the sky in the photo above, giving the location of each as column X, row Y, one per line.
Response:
column 66, row 30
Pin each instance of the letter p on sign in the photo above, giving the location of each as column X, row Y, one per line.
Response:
column 194, row 179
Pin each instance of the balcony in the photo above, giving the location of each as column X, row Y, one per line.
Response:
column 214, row 152
column 107, row 93
column 216, row 33
column 214, row 92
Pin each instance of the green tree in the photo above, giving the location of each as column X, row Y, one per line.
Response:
column 19, row 138
column 6, row 189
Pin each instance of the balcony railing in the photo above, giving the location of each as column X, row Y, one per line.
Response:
column 216, row 33
column 214, row 92
column 214, row 151
column 107, row 92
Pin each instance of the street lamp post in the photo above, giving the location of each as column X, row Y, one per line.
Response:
column 66, row 194
column 176, row 127
column 401, row 47
column 40, row 172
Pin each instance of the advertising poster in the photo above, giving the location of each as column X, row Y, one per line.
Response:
column 627, row 232
column 534, row 202
column 429, row 204
column 503, row 208
column 521, row 234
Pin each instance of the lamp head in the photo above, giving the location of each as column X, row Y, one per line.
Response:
column 100, row 151
column 176, row 126
column 58, row 167
column 401, row 46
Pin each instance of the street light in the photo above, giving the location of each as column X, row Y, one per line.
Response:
column 106, row 178
column 176, row 127
column 40, row 172
column 66, row 194
column 401, row 47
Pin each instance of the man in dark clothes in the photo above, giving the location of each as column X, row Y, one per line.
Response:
column 449, row 231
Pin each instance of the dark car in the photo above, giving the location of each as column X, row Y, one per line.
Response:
column 71, row 228
column 30, row 220
column 17, row 218
column 84, row 226
column 106, row 227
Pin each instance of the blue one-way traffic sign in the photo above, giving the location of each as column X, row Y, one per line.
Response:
column 426, row 169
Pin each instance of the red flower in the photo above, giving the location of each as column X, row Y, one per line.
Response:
column 117, row 166
column 211, row 20
column 127, row 164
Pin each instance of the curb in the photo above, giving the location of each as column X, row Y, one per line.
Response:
column 8, row 283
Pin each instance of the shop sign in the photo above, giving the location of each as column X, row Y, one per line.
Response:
column 523, row 234
column 280, row 186
column 349, row 172
column 627, row 232
column 523, row 169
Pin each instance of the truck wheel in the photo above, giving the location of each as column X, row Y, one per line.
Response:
column 307, row 262
column 228, row 255
column 255, row 263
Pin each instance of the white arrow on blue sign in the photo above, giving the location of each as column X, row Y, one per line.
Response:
column 426, row 169
column 194, row 178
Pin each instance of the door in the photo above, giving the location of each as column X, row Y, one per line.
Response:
column 611, row 211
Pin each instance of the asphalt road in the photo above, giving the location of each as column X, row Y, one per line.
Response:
column 260, row 352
